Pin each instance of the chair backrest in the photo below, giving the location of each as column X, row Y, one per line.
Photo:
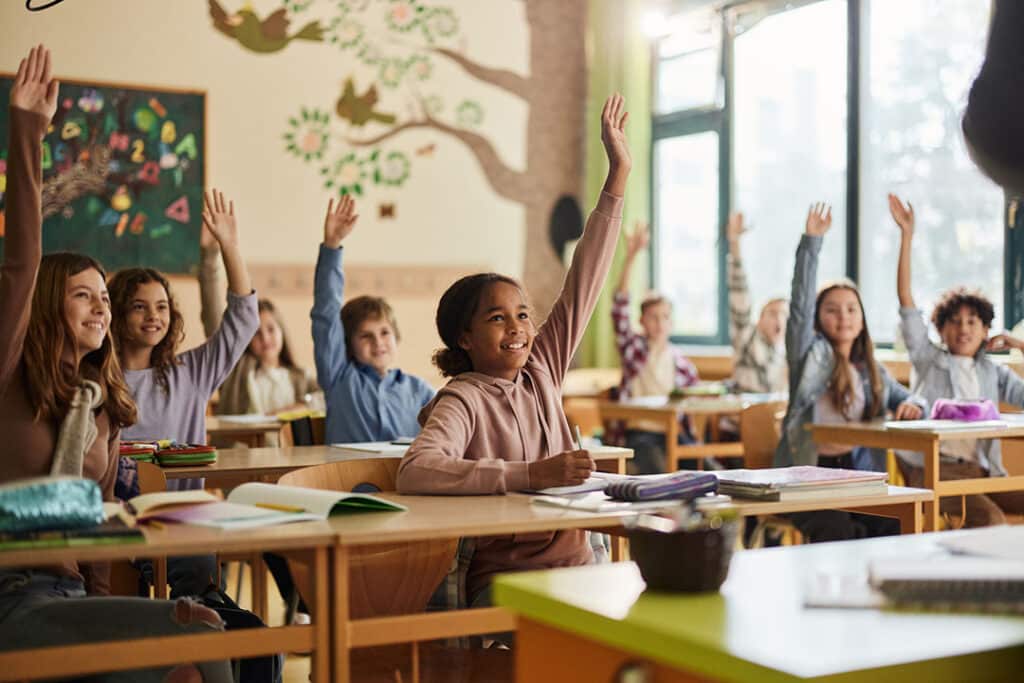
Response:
column 759, row 432
column 305, row 431
column 124, row 577
column 386, row 579
column 151, row 478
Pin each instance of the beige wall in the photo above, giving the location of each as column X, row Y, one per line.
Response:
column 447, row 214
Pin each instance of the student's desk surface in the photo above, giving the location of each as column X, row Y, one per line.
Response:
column 316, row 538
column 875, row 434
column 250, row 430
column 592, row 620
column 238, row 465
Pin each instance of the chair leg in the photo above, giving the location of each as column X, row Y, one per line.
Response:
column 415, row 662
column 238, row 584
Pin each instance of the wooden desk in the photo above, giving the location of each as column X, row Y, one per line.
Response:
column 875, row 435
column 436, row 518
column 250, row 433
column 701, row 409
column 586, row 623
column 236, row 466
column 900, row 502
column 77, row 660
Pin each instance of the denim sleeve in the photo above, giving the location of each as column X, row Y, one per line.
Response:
column 920, row 349
column 329, row 350
column 1011, row 386
column 800, row 328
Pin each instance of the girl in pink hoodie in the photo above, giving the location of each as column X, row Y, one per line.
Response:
column 498, row 425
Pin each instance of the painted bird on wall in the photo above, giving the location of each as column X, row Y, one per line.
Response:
column 266, row 35
column 358, row 109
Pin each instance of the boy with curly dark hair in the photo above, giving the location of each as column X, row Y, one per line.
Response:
column 959, row 369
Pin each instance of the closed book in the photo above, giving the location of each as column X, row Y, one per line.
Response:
column 953, row 583
column 113, row 530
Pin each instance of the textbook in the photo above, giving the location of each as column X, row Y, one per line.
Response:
column 802, row 482
column 113, row 530
column 254, row 505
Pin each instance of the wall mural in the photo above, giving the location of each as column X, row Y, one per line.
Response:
column 387, row 53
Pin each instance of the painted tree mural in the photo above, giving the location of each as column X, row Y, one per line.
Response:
column 400, row 42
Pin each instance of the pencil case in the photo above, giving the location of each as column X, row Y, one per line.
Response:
column 44, row 503
column 676, row 486
column 963, row 410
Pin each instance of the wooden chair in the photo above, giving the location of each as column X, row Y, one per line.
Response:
column 124, row 577
column 760, row 430
column 760, row 426
column 394, row 579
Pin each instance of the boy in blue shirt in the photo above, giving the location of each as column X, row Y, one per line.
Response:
column 356, row 349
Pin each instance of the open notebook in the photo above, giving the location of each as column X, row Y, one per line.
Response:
column 253, row 505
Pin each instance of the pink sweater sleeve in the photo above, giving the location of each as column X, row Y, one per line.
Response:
column 562, row 331
column 435, row 461
column 23, row 241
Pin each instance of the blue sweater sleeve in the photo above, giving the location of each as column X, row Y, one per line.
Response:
column 800, row 328
column 329, row 350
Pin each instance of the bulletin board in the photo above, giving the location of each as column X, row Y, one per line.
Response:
column 123, row 173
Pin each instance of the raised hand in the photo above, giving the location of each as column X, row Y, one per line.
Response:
column 340, row 221
column 637, row 240
column 1003, row 342
column 219, row 219
column 819, row 219
column 565, row 469
column 735, row 229
column 33, row 89
column 613, row 136
column 908, row 411
column 903, row 215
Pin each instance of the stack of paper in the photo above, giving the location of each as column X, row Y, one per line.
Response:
column 804, row 482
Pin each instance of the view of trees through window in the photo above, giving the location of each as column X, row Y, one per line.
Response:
column 789, row 138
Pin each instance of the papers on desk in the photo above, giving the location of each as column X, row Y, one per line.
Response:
column 247, row 419
column 1000, row 542
column 382, row 447
column 802, row 482
column 597, row 501
column 945, row 425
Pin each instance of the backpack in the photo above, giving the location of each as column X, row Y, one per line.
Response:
column 264, row 669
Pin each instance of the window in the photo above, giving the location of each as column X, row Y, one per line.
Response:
column 919, row 59
column 786, row 138
column 789, row 127
column 686, row 269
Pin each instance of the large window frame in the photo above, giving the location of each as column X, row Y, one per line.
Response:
column 720, row 119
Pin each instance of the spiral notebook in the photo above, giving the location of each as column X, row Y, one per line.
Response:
column 954, row 583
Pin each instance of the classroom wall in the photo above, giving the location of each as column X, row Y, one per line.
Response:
column 448, row 217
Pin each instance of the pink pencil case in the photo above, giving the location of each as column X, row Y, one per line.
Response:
column 965, row 411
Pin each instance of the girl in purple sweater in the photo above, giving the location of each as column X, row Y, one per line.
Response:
column 498, row 425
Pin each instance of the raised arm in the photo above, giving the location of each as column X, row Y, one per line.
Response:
column 560, row 334
column 329, row 350
column 211, row 362
column 740, row 325
column 636, row 242
column 219, row 219
column 800, row 328
column 33, row 101
column 904, row 217
column 211, row 286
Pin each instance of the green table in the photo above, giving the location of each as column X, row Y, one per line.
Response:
column 586, row 623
